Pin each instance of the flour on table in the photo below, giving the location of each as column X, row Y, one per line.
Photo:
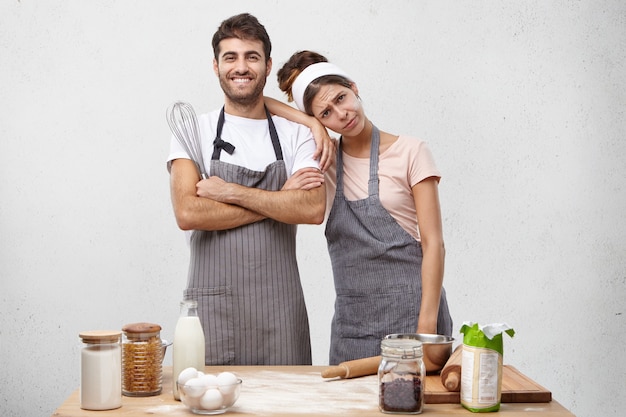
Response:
column 275, row 392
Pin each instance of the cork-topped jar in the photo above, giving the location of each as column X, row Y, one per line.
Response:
column 100, row 370
column 142, row 357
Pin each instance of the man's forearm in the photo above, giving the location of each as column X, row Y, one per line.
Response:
column 287, row 206
column 204, row 214
column 195, row 213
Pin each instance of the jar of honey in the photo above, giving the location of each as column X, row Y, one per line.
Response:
column 142, row 356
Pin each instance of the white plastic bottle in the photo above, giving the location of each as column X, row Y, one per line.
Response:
column 188, row 346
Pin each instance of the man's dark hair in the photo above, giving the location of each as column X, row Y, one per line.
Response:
column 242, row 26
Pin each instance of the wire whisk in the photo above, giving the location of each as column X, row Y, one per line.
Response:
column 183, row 123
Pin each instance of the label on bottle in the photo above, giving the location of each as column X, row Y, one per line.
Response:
column 481, row 379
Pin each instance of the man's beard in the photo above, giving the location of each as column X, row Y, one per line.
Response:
column 243, row 98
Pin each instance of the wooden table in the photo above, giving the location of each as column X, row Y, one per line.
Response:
column 292, row 391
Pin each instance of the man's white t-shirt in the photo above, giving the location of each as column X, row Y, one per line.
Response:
column 252, row 142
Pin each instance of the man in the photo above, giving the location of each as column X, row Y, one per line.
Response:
column 243, row 270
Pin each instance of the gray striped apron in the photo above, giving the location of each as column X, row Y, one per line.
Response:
column 246, row 280
column 377, row 268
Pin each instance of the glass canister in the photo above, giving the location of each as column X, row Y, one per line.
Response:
column 100, row 370
column 401, row 375
column 142, row 356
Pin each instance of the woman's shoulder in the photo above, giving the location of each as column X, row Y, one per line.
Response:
column 410, row 141
column 411, row 152
column 406, row 144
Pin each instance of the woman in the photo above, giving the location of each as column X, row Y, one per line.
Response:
column 384, row 230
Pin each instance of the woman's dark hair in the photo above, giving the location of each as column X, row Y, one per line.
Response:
column 295, row 65
column 242, row 26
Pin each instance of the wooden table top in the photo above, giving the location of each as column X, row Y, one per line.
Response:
column 282, row 391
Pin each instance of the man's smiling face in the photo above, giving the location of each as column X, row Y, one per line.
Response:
column 242, row 70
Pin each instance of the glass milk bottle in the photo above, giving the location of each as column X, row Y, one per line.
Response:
column 100, row 370
column 188, row 347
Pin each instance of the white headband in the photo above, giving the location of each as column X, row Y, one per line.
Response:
column 310, row 74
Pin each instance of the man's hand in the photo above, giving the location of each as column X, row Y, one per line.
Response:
column 304, row 179
column 214, row 188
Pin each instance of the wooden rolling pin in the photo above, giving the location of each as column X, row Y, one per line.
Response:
column 354, row 368
column 451, row 371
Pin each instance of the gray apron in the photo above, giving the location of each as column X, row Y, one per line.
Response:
column 246, row 280
column 377, row 268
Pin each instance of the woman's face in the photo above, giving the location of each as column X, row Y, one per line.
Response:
column 338, row 108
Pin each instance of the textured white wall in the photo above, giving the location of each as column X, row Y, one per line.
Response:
column 522, row 103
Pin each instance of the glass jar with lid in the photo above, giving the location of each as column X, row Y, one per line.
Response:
column 142, row 356
column 100, row 370
column 401, row 375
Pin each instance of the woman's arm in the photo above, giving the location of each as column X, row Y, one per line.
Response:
column 325, row 150
column 426, row 196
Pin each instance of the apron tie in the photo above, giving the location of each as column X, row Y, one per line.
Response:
column 221, row 144
column 218, row 143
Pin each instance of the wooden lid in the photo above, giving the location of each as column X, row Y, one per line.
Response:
column 100, row 336
column 135, row 328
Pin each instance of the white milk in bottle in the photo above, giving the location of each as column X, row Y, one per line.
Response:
column 188, row 346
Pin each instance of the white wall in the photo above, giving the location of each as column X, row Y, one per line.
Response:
column 522, row 103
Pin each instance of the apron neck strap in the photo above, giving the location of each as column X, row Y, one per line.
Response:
column 219, row 144
column 372, row 185
column 274, row 135
column 373, row 181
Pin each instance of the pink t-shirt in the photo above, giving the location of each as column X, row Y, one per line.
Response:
column 405, row 163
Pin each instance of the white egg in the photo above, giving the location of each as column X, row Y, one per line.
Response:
column 226, row 382
column 190, row 402
column 229, row 398
column 211, row 400
column 186, row 374
column 209, row 380
column 194, row 387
